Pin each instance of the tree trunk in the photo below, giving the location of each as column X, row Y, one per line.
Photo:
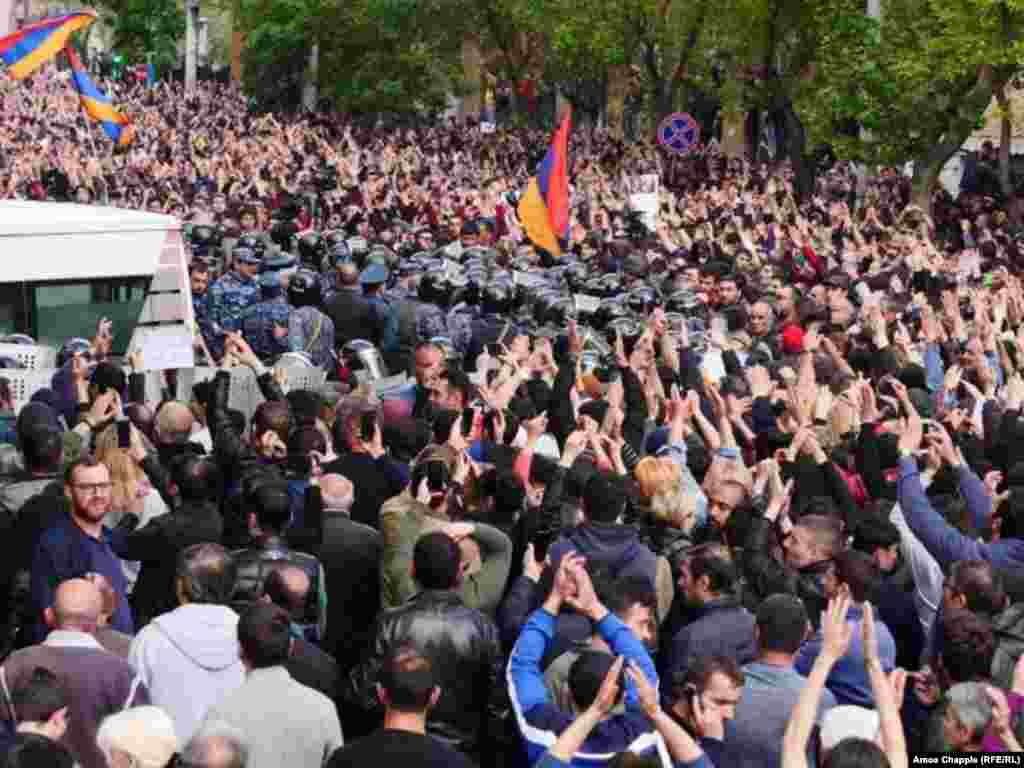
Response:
column 796, row 147
column 1005, row 145
column 928, row 167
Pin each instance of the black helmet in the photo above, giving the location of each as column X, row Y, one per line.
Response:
column 576, row 276
column 333, row 237
column 685, row 302
column 434, row 287
column 283, row 234
column 608, row 312
column 304, row 289
column 312, row 249
column 642, row 300
column 253, row 242
column 561, row 311
column 496, row 298
column 201, row 238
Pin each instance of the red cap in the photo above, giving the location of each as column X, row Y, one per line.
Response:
column 793, row 340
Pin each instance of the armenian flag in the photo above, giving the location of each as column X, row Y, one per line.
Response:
column 96, row 103
column 544, row 207
column 31, row 47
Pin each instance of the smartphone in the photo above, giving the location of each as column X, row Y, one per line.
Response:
column 468, row 417
column 367, row 426
column 124, row 434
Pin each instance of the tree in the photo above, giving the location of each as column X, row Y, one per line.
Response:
column 143, row 27
column 918, row 82
column 376, row 56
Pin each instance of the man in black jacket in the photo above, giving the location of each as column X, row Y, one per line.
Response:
column 462, row 643
column 351, row 555
column 270, row 550
column 348, row 309
column 197, row 481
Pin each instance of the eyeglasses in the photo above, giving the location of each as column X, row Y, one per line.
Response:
column 93, row 489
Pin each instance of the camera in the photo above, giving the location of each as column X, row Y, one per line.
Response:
column 326, row 178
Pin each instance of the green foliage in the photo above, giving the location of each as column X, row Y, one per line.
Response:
column 396, row 56
column 144, row 27
column 912, row 81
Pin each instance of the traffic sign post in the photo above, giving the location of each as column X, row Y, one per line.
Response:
column 679, row 133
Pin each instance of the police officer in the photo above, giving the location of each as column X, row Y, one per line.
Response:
column 265, row 324
column 339, row 254
column 199, row 278
column 309, row 329
column 383, row 316
column 462, row 315
column 434, row 294
column 404, row 299
column 496, row 302
column 235, row 291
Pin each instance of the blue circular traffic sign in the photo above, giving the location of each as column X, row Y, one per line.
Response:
column 679, row 133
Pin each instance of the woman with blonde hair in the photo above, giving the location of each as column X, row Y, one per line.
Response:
column 131, row 492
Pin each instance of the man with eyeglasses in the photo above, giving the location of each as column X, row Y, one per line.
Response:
column 78, row 544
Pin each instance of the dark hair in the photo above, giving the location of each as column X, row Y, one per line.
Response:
column 207, row 572
column 305, row 439
column 36, row 698
column 856, row 753
column 436, row 560
column 699, row 671
column 542, row 470
column 273, row 506
column 264, row 634
column 980, row 584
column 408, row 678
column 633, row 760
column 875, row 533
column 108, row 376
column 720, row 571
column 85, row 462
column 622, row 594
column 197, row 477
column 968, row 645
column 859, row 572
column 603, row 499
column 30, row 750
column 272, row 416
column 306, row 406
column 587, row 674
column 781, row 624
column 43, row 448
column 460, row 382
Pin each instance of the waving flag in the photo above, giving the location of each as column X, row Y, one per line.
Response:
column 96, row 104
column 29, row 48
column 544, row 207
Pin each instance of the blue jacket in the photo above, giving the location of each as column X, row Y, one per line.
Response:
column 541, row 722
column 65, row 552
column 945, row 543
column 618, row 547
column 721, row 627
column 848, row 681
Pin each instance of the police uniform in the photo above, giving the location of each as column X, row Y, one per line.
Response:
column 260, row 320
column 312, row 332
column 431, row 321
column 460, row 325
column 201, row 310
column 384, row 316
column 231, row 295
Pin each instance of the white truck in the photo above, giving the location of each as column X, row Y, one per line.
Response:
column 66, row 266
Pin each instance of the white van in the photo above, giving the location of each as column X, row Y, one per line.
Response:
column 66, row 266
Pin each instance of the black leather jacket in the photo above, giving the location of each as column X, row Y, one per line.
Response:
column 765, row 575
column 466, row 651
column 228, row 448
column 255, row 563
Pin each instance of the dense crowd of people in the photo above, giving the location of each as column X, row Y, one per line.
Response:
column 741, row 490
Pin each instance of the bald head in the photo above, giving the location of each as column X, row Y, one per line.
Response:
column 216, row 745
column 102, row 583
column 338, row 494
column 348, row 274
column 77, row 604
column 174, row 423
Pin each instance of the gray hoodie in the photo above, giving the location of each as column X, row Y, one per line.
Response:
column 189, row 660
